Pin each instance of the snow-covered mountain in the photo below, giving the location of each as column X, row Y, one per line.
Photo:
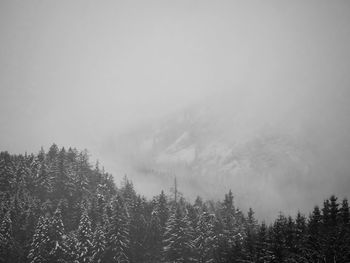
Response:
column 269, row 160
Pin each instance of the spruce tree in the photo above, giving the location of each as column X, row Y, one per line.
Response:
column 154, row 238
column 39, row 249
column 7, row 242
column 263, row 252
column 58, row 250
column 138, row 229
column 118, row 239
column 84, row 235
column 205, row 238
column 162, row 210
column 99, row 244
column 178, row 243
column 344, row 213
column 232, row 235
column 300, row 233
column 251, row 227
column 314, row 246
column 278, row 242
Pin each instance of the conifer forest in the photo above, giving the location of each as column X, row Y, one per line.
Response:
column 58, row 207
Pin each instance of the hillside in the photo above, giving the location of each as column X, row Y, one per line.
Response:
column 269, row 160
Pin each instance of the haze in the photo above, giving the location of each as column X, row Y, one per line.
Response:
column 80, row 73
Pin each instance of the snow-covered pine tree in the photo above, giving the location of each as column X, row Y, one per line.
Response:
column 232, row 235
column 6, row 174
column 205, row 238
column 71, row 244
column 99, row 244
column 58, row 250
column 7, row 244
column 118, row 239
column 178, row 241
column 127, row 191
column 43, row 178
column 39, row 248
column 84, row 235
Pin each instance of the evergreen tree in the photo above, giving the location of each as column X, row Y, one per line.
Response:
column 58, row 250
column 251, row 227
column 71, row 243
column 138, row 230
column 84, row 235
column 232, row 220
column 154, row 239
column 118, row 239
column 162, row 210
column 344, row 232
column 43, row 179
column 178, row 242
column 263, row 252
column 278, row 242
column 39, row 250
column 127, row 191
column 300, row 233
column 344, row 213
column 7, row 242
column 205, row 238
column 313, row 250
column 99, row 244
column 6, row 174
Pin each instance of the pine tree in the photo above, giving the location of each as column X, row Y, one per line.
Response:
column 99, row 244
column 138, row 230
column 205, row 238
column 58, row 250
column 263, row 252
column 334, row 210
column 162, row 210
column 6, row 174
column 300, row 233
column 178, row 242
column 39, row 250
column 232, row 220
column 251, row 227
column 118, row 239
column 7, row 242
column 154, row 238
column 344, row 213
column 43, row 179
column 279, row 247
column 84, row 235
column 127, row 191
column 71, row 244
column 344, row 232
column 313, row 250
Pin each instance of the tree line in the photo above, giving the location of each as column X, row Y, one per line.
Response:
column 56, row 207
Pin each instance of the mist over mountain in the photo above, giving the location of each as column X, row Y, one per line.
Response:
column 249, row 96
column 273, row 151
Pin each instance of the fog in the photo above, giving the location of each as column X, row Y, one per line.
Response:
column 83, row 73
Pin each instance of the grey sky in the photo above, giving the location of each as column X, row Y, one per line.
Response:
column 78, row 72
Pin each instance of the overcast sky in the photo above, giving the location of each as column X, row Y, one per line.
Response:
column 78, row 72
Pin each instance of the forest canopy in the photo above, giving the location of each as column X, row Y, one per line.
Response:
column 56, row 206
